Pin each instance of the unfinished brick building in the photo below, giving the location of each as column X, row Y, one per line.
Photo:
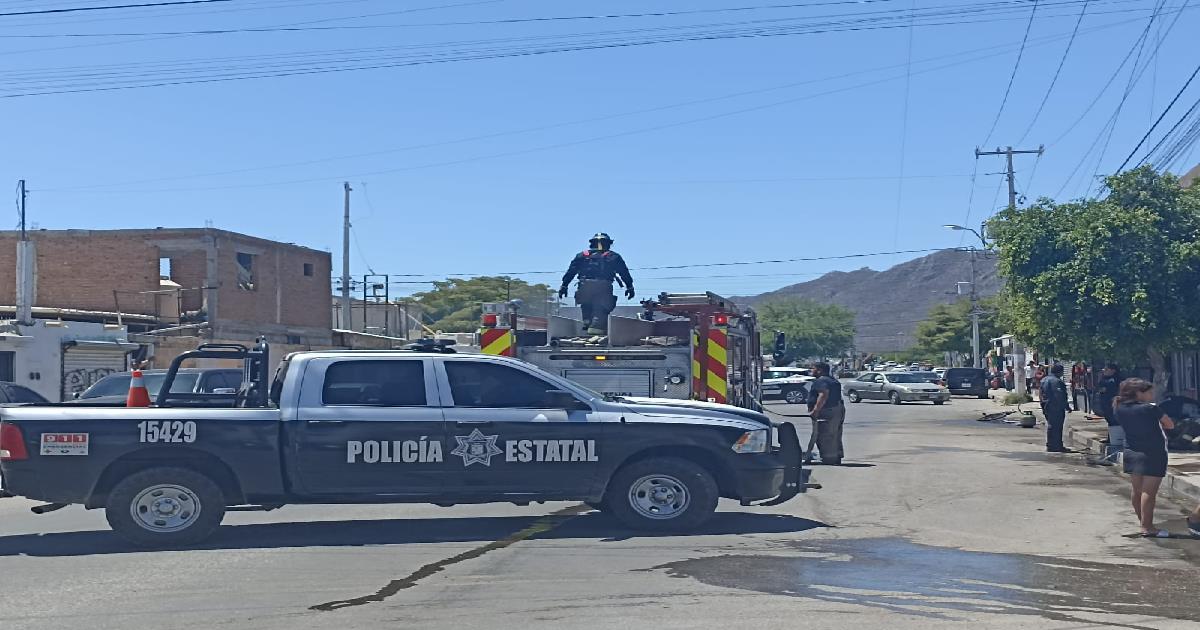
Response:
column 221, row 285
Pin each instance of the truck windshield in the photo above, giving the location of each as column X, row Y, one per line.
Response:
column 118, row 384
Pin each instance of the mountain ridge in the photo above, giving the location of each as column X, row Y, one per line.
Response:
column 888, row 304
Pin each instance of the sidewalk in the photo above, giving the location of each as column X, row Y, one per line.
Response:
column 1183, row 468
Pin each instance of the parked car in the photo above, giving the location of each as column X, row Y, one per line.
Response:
column 931, row 377
column 13, row 393
column 967, row 381
column 788, row 383
column 114, row 388
column 894, row 387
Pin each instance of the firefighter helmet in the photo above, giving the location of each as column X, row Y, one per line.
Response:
column 601, row 237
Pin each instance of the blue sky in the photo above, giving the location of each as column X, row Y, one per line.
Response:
column 722, row 150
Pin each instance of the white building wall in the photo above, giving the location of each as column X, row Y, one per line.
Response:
column 38, row 349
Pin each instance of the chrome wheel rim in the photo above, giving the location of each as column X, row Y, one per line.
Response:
column 659, row 497
column 794, row 396
column 165, row 507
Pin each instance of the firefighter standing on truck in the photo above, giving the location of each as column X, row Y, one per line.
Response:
column 596, row 267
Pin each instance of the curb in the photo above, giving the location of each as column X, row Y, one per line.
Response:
column 1176, row 486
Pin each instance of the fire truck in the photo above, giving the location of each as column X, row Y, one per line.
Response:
column 697, row 346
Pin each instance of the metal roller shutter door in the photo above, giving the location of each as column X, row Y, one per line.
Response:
column 85, row 363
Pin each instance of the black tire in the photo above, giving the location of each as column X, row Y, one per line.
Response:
column 180, row 488
column 984, row 396
column 795, row 395
column 939, row 402
column 599, row 506
column 853, row 396
column 894, row 398
column 696, row 484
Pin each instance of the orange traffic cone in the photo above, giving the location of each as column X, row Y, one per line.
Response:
column 138, row 395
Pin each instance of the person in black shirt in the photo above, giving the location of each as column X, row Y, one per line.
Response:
column 1106, row 391
column 828, row 412
column 597, row 267
column 1145, row 447
column 1053, row 397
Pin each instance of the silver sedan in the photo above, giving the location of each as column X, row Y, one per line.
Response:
column 894, row 387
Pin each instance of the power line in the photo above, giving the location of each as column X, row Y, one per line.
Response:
column 110, row 7
column 1057, row 72
column 958, row 61
column 1159, row 119
column 141, row 75
column 1012, row 77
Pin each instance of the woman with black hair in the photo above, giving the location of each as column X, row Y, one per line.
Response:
column 1145, row 456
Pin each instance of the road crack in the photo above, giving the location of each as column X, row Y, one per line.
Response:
column 540, row 526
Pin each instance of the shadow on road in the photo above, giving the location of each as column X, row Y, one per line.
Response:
column 393, row 532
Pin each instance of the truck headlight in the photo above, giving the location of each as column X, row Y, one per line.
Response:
column 752, row 442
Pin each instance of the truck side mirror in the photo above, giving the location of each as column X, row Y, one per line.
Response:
column 780, row 343
column 561, row 399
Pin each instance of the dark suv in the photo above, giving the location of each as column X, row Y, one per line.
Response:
column 967, row 381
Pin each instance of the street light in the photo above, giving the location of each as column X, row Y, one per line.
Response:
column 974, row 294
column 951, row 226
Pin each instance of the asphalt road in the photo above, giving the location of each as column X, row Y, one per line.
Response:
column 937, row 521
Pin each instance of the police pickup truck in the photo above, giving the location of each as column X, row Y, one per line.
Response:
column 392, row 427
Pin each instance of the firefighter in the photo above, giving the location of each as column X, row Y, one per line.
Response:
column 596, row 268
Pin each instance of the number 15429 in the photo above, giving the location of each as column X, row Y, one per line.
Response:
column 170, row 431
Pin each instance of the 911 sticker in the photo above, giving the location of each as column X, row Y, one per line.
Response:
column 64, row 444
column 167, row 431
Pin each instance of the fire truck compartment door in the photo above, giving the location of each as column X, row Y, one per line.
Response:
column 629, row 382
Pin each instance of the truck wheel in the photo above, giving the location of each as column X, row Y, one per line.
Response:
column 853, row 396
column 662, row 494
column 894, row 398
column 160, row 507
column 795, row 396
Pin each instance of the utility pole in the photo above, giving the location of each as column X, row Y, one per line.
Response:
column 346, row 314
column 1009, row 152
column 975, row 362
column 26, row 286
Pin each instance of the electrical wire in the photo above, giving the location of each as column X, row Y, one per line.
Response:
column 1058, row 71
column 1012, row 77
column 1159, row 119
column 904, row 125
column 111, row 7
column 959, row 60
column 140, row 75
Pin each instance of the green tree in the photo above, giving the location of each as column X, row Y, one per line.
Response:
column 456, row 304
column 1115, row 277
column 813, row 329
column 947, row 328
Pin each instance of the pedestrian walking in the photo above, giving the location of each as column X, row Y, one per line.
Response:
column 1039, row 373
column 1080, row 383
column 1106, row 390
column 828, row 413
column 1053, row 394
column 1145, row 455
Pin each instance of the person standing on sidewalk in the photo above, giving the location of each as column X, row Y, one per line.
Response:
column 828, row 413
column 1079, row 385
column 1145, row 427
column 1053, row 396
column 1010, row 378
column 1106, row 391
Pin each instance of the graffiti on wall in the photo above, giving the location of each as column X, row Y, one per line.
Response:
column 76, row 381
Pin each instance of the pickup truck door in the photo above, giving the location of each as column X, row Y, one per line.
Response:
column 368, row 426
column 506, row 438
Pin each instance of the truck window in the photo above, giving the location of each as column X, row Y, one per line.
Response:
column 479, row 384
column 395, row 383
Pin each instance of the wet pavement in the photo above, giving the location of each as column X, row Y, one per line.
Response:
column 896, row 575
